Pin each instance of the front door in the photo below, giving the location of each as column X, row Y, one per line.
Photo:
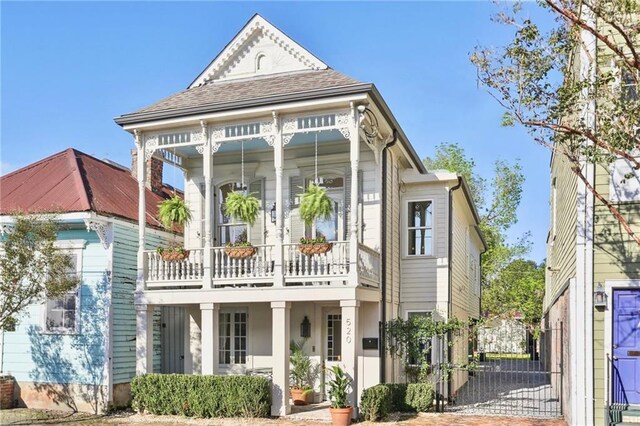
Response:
column 172, row 339
column 626, row 345
column 332, row 344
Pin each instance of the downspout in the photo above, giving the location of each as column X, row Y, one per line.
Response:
column 383, row 257
column 450, row 277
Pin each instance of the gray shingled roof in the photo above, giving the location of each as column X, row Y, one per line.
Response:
column 225, row 92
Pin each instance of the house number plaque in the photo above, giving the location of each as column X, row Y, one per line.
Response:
column 348, row 331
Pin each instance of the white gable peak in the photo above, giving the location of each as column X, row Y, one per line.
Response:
column 258, row 49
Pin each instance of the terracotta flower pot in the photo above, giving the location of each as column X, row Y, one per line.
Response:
column 169, row 255
column 341, row 416
column 299, row 396
column 240, row 252
column 315, row 248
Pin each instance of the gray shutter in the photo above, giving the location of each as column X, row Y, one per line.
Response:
column 296, row 227
column 215, row 212
column 347, row 203
column 256, row 232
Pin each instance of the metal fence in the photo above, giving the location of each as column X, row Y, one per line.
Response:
column 514, row 374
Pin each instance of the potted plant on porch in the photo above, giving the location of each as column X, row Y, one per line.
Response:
column 243, row 207
column 173, row 212
column 300, row 373
column 338, row 391
column 315, row 204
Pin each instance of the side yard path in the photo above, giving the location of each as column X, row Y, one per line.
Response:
column 46, row 417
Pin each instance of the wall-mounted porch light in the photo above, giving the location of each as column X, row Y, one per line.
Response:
column 305, row 327
column 273, row 213
column 600, row 297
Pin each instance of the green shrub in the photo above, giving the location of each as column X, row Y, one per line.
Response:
column 399, row 398
column 376, row 402
column 420, row 396
column 201, row 396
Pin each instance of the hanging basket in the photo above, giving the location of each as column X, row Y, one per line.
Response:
column 315, row 248
column 240, row 252
column 169, row 255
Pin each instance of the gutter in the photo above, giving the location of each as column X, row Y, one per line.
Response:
column 383, row 258
column 450, row 273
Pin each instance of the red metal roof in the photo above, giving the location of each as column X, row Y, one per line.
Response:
column 72, row 181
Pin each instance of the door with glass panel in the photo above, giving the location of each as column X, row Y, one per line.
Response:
column 332, row 344
column 333, row 227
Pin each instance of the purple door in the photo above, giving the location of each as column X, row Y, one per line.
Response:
column 626, row 346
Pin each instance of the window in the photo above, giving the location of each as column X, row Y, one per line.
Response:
column 554, row 207
column 61, row 314
column 330, row 227
column 629, row 84
column 420, row 228
column 334, row 337
column 624, row 184
column 422, row 345
column 233, row 337
column 229, row 230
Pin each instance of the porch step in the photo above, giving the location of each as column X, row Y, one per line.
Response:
column 631, row 416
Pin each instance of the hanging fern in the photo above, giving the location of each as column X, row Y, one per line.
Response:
column 174, row 211
column 315, row 204
column 242, row 207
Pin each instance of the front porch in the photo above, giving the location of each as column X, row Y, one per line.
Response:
column 254, row 338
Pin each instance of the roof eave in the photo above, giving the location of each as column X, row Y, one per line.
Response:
column 139, row 118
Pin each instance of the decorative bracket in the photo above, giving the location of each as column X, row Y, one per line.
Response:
column 102, row 229
column 150, row 146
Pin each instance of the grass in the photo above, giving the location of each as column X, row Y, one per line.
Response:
column 496, row 356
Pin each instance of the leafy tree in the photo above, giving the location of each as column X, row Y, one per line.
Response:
column 497, row 210
column 31, row 268
column 518, row 287
column 581, row 104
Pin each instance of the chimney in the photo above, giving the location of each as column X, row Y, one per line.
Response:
column 153, row 180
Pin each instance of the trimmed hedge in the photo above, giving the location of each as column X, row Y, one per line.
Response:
column 202, row 396
column 380, row 400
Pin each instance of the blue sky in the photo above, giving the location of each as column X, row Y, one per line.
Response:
column 69, row 68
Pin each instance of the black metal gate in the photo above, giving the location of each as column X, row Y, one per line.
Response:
column 512, row 372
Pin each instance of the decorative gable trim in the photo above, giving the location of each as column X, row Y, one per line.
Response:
column 240, row 46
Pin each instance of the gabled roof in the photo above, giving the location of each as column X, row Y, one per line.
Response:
column 72, row 181
column 258, row 37
column 254, row 91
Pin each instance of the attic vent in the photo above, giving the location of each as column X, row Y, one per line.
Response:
column 316, row 121
column 260, row 62
column 242, row 130
column 174, row 138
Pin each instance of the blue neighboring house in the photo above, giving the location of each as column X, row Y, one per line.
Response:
column 78, row 352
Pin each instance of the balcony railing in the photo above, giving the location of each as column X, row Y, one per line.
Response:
column 259, row 270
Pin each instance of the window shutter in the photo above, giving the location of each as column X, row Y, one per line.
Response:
column 256, row 232
column 296, row 227
column 215, row 213
column 347, row 203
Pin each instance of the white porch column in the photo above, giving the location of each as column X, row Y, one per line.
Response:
column 209, row 336
column 350, row 348
column 278, row 154
column 280, row 336
column 144, row 339
column 207, row 166
column 142, row 211
column 354, row 140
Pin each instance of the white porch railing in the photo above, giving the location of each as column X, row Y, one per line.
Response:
column 258, row 267
column 258, row 270
column 368, row 265
column 318, row 267
column 189, row 271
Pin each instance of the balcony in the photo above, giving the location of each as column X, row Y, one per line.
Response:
column 260, row 270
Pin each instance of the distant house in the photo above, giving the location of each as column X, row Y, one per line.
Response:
column 78, row 352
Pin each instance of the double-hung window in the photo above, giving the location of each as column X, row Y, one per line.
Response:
column 233, row 337
column 62, row 313
column 420, row 228
column 229, row 230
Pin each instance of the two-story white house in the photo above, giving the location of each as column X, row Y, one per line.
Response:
column 268, row 112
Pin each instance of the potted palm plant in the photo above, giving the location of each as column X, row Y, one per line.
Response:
column 315, row 204
column 300, row 373
column 173, row 213
column 338, row 391
column 243, row 207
